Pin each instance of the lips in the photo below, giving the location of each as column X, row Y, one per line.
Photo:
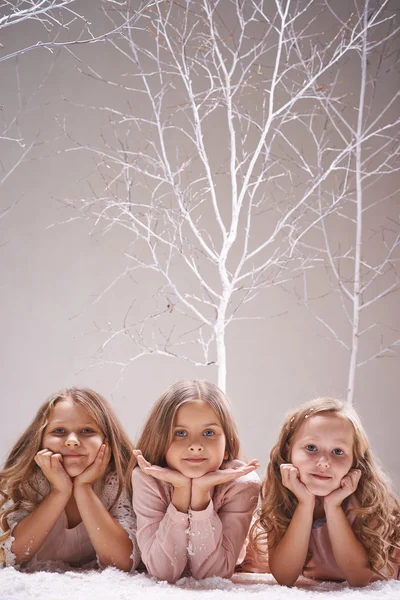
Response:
column 72, row 455
column 195, row 461
column 321, row 476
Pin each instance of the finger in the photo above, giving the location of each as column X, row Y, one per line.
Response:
column 235, row 473
column 248, row 469
column 56, row 460
column 142, row 461
column 44, row 454
column 356, row 473
column 157, row 472
column 45, row 459
column 137, row 453
column 100, row 458
column 354, row 477
column 107, row 454
column 347, row 482
column 285, row 468
column 143, row 465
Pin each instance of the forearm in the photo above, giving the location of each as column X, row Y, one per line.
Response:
column 287, row 559
column 349, row 553
column 181, row 497
column 217, row 537
column 110, row 540
column 32, row 531
column 163, row 544
column 200, row 497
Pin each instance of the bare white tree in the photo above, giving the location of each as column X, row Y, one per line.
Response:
column 211, row 165
column 56, row 25
column 49, row 19
column 360, row 242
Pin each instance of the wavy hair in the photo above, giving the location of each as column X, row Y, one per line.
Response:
column 156, row 436
column 377, row 520
column 16, row 478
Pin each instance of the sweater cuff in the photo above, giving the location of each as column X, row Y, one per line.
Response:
column 176, row 516
column 202, row 515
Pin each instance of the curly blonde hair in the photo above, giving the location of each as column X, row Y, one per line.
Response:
column 17, row 489
column 377, row 520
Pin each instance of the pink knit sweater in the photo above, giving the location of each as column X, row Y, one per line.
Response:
column 202, row 543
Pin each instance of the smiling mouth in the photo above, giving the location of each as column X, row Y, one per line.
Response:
column 321, row 477
column 73, row 456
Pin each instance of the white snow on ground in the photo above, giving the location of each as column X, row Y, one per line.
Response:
column 115, row 585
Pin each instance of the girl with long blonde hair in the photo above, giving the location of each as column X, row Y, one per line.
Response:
column 328, row 510
column 63, row 497
column 192, row 496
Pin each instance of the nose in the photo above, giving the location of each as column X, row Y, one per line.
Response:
column 323, row 461
column 195, row 446
column 72, row 441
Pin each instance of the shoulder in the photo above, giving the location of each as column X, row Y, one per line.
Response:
column 107, row 488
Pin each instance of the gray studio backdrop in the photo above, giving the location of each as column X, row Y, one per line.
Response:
column 58, row 261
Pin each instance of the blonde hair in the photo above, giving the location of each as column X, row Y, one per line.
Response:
column 156, row 436
column 20, row 467
column 377, row 520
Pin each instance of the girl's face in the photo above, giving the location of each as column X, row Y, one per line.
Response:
column 198, row 440
column 322, row 451
column 73, row 433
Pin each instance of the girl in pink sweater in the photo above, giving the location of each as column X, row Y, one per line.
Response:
column 327, row 508
column 192, row 497
column 63, row 500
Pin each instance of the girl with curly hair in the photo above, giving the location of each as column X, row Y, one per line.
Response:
column 328, row 510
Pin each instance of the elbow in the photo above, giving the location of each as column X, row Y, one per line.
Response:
column 224, row 571
column 360, row 580
column 161, row 574
column 125, row 566
column 212, row 573
column 286, row 581
column 122, row 564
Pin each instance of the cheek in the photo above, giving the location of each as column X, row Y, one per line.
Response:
column 217, row 447
column 298, row 458
column 49, row 441
column 96, row 443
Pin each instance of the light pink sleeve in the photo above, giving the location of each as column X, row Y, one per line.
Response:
column 217, row 536
column 161, row 529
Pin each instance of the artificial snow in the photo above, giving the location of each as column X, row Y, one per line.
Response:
column 112, row 584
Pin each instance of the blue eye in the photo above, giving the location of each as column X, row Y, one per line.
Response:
column 87, row 430
column 181, row 433
column 209, row 433
column 58, row 431
column 311, row 447
column 337, row 452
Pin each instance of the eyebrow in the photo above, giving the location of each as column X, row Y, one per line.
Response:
column 206, row 425
column 61, row 422
column 317, row 439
